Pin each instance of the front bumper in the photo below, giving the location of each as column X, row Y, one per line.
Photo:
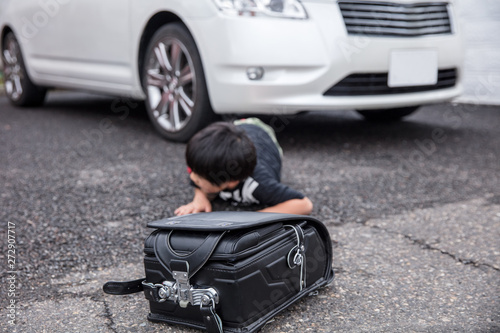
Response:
column 302, row 59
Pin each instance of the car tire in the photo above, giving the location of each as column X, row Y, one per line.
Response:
column 19, row 88
column 177, row 99
column 387, row 114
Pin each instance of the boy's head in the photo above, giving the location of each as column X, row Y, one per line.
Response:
column 220, row 155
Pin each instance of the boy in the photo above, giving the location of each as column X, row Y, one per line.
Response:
column 239, row 162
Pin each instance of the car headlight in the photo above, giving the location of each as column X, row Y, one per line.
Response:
column 274, row 8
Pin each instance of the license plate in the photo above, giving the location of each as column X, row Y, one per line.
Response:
column 413, row 68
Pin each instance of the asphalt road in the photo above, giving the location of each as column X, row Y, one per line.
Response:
column 413, row 209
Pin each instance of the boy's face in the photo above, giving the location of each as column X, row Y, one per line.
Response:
column 209, row 188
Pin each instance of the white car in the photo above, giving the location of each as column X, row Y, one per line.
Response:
column 189, row 59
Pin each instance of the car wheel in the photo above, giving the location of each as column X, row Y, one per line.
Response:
column 19, row 88
column 387, row 114
column 174, row 83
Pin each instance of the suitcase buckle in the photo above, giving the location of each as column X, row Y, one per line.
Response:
column 183, row 294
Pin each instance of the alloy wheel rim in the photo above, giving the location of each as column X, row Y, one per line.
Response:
column 13, row 71
column 171, row 85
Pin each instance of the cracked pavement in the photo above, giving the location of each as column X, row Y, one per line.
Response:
column 413, row 210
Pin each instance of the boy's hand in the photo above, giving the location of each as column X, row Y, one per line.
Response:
column 199, row 204
column 193, row 207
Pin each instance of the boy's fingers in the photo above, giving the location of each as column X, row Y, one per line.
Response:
column 189, row 209
column 180, row 209
column 183, row 210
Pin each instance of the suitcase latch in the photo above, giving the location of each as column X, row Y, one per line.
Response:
column 182, row 292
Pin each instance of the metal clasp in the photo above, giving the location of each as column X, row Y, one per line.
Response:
column 171, row 291
column 164, row 291
column 184, row 296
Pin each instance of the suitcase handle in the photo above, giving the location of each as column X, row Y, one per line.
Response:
column 169, row 258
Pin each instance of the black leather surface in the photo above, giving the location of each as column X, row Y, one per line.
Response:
column 254, row 288
column 230, row 221
column 222, row 221
column 212, row 321
column 195, row 259
column 244, row 256
column 233, row 242
column 123, row 288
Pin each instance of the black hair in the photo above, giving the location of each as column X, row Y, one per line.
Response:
column 221, row 152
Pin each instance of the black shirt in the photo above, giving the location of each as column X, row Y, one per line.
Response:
column 264, row 186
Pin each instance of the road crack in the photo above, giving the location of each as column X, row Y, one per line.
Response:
column 426, row 246
column 108, row 315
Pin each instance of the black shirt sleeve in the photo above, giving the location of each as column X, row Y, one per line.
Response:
column 272, row 192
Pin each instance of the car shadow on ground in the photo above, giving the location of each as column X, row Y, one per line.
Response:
column 322, row 129
column 94, row 105
column 308, row 129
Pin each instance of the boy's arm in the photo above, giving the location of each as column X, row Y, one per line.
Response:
column 302, row 206
column 200, row 203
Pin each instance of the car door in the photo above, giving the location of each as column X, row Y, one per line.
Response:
column 83, row 43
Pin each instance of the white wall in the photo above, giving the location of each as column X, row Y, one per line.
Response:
column 480, row 21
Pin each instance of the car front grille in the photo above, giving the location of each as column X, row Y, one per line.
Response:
column 376, row 84
column 395, row 19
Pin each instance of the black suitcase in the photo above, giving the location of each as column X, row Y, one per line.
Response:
column 230, row 271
